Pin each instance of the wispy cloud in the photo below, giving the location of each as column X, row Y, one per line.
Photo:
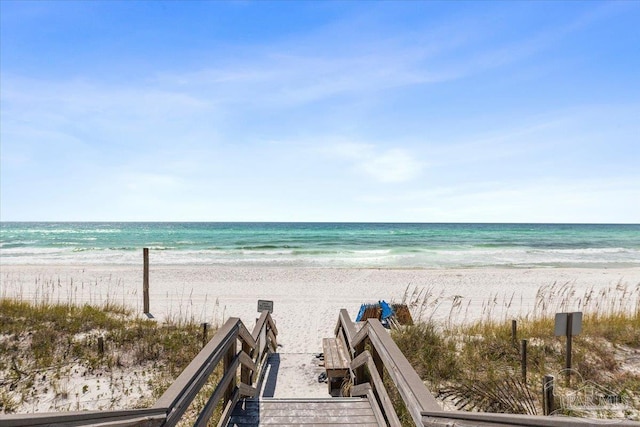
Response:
column 578, row 200
column 419, row 116
column 385, row 165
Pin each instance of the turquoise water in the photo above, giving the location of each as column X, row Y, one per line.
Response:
column 324, row 244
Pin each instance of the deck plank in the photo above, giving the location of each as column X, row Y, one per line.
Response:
column 307, row 412
column 335, row 355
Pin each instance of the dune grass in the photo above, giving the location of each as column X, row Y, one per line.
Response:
column 50, row 358
column 477, row 365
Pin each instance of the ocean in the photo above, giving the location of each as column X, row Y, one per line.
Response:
column 366, row 245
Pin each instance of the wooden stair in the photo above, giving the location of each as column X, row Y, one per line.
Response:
column 307, row 412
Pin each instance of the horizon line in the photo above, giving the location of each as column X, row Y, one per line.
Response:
column 311, row 222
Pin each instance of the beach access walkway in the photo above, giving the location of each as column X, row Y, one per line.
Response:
column 236, row 369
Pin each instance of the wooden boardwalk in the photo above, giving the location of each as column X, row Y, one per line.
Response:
column 242, row 355
column 306, row 412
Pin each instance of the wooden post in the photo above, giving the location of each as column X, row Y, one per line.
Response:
column 378, row 362
column 360, row 372
column 145, row 280
column 205, row 333
column 246, row 375
column 101, row 345
column 523, row 359
column 568, row 357
column 514, row 332
column 228, row 360
column 548, row 394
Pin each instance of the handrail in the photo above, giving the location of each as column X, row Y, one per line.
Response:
column 265, row 317
column 421, row 404
column 150, row 417
column 347, row 328
column 214, row 399
column 386, row 353
column 377, row 385
column 172, row 405
column 410, row 385
column 447, row 418
column 222, row 347
column 189, row 382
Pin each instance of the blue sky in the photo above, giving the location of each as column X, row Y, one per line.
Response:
column 320, row 111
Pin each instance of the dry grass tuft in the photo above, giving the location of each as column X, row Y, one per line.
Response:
column 477, row 365
column 50, row 358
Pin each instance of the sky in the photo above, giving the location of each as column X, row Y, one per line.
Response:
column 320, row 111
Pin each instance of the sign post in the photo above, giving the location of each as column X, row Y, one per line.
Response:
column 548, row 386
column 569, row 343
column 568, row 324
column 523, row 360
column 264, row 305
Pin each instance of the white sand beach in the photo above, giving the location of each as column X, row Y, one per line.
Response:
column 306, row 300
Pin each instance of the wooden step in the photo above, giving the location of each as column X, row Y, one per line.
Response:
column 306, row 412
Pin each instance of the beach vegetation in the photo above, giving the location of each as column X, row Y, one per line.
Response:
column 61, row 356
column 477, row 365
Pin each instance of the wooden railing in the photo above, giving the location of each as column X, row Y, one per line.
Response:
column 169, row 409
column 374, row 353
column 368, row 369
column 449, row 418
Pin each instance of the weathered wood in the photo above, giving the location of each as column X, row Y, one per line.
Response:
column 308, row 412
column 375, row 356
column 259, row 325
column 248, row 367
column 336, row 361
column 264, row 332
column 265, row 318
column 204, row 362
column 261, row 342
column 221, row 390
column 305, row 421
column 169, row 409
column 272, row 324
column 523, row 360
column 377, row 385
column 245, row 336
column 448, row 418
column 569, row 349
column 548, row 391
column 380, row 419
column 262, row 349
column 358, row 345
column 134, row 417
column 205, row 333
column 335, row 355
column 346, row 327
column 360, row 337
column 383, row 398
column 247, row 391
column 302, row 402
column 272, row 340
column 359, row 361
column 415, row 395
column 247, row 362
column 229, row 358
column 228, row 409
column 360, row 390
column 145, row 280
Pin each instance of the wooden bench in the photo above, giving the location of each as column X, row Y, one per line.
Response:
column 336, row 362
